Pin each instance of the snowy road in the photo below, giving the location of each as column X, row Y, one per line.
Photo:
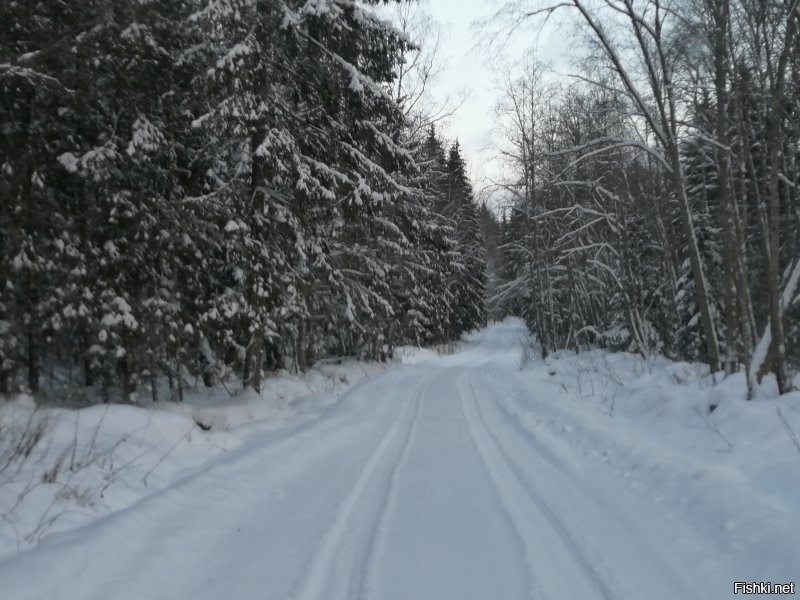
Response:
column 422, row 484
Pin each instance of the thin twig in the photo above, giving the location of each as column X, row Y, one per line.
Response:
column 160, row 460
column 14, row 527
column 715, row 428
column 789, row 430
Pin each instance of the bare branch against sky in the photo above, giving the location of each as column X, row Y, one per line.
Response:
column 480, row 40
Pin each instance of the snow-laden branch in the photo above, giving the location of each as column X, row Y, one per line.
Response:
column 32, row 75
column 613, row 144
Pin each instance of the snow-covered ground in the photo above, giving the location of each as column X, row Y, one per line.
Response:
column 475, row 475
column 60, row 468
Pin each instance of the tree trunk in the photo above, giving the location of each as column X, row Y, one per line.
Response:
column 776, row 168
column 775, row 144
column 33, row 361
column 696, row 261
column 731, row 260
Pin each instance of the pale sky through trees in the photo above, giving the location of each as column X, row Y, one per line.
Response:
column 469, row 66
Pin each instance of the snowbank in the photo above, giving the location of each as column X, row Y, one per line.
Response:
column 688, row 439
column 61, row 468
column 634, row 431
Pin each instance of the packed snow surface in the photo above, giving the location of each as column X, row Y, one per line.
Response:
column 487, row 474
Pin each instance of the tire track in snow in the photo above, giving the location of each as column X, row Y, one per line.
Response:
column 664, row 577
column 338, row 568
column 178, row 516
column 548, row 544
column 378, row 542
column 634, row 522
column 510, row 509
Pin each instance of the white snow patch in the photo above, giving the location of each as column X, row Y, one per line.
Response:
column 61, row 469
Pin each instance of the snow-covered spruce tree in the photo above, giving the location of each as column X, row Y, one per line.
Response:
column 372, row 245
column 490, row 230
column 130, row 156
column 247, row 117
column 510, row 293
column 702, row 190
column 154, row 244
column 436, row 239
column 196, row 187
column 298, row 91
column 416, row 285
column 29, row 212
column 88, row 175
column 370, row 226
column 468, row 276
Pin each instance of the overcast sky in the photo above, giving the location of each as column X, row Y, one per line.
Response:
column 469, row 66
column 466, row 68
